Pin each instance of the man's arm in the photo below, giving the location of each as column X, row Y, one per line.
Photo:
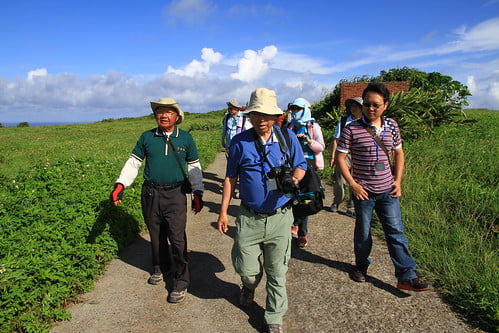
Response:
column 195, row 174
column 228, row 192
column 399, row 163
column 356, row 188
column 334, row 145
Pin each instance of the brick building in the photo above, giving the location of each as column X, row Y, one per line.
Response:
column 351, row 90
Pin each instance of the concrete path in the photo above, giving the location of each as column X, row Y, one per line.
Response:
column 322, row 298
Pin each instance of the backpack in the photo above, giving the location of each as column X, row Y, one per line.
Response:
column 310, row 199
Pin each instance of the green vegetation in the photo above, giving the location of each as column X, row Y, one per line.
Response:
column 58, row 230
column 433, row 100
column 451, row 213
column 57, row 227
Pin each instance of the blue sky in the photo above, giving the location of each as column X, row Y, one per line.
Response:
column 84, row 61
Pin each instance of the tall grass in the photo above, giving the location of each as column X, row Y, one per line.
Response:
column 451, row 211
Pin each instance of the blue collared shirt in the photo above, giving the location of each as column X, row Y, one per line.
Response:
column 249, row 164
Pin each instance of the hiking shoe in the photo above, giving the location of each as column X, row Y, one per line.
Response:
column 350, row 213
column 274, row 328
column 414, row 284
column 358, row 275
column 294, row 231
column 334, row 207
column 246, row 297
column 176, row 296
column 155, row 278
column 302, row 241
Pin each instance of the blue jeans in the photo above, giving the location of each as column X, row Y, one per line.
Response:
column 388, row 211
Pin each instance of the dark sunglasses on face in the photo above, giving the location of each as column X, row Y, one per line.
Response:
column 374, row 105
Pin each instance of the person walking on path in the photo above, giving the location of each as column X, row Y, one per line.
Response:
column 265, row 215
column 309, row 134
column 234, row 122
column 353, row 112
column 172, row 169
column 370, row 140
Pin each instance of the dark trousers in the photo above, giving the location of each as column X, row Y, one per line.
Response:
column 165, row 214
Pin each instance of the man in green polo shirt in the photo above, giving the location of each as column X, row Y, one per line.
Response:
column 171, row 159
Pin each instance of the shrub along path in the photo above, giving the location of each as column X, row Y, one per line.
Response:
column 322, row 298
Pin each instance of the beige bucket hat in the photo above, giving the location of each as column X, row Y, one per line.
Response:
column 169, row 102
column 234, row 103
column 264, row 101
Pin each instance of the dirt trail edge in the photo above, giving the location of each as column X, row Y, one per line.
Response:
column 322, row 298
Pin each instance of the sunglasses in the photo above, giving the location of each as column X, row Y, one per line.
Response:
column 374, row 105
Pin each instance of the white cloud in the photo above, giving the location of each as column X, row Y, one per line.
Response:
column 189, row 11
column 485, row 92
column 37, row 72
column 195, row 67
column 254, row 64
column 482, row 37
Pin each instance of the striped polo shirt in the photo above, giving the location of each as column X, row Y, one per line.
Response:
column 365, row 153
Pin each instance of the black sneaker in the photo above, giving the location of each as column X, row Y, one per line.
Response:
column 246, row 297
column 415, row 284
column 358, row 275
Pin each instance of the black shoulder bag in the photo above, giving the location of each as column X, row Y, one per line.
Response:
column 310, row 200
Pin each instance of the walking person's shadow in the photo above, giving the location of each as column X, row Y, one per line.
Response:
column 206, row 284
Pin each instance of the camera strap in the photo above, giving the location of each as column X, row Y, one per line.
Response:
column 282, row 145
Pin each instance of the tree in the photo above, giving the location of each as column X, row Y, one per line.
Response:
column 454, row 92
column 433, row 99
column 23, row 124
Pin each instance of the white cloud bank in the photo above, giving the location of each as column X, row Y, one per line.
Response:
column 205, row 84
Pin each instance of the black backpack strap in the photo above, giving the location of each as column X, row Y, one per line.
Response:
column 343, row 123
column 282, row 137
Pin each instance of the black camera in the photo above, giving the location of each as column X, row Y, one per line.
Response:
column 284, row 177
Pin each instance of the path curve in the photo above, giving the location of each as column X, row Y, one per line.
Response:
column 322, row 298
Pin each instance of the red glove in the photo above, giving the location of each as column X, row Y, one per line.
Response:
column 197, row 203
column 117, row 193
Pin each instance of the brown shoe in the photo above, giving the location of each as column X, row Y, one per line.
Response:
column 302, row 241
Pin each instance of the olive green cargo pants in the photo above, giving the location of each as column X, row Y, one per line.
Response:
column 266, row 239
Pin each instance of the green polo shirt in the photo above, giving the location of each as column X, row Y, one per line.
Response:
column 161, row 166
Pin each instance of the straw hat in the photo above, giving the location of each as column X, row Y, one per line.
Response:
column 171, row 103
column 264, row 101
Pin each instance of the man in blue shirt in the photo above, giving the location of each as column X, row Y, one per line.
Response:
column 265, row 214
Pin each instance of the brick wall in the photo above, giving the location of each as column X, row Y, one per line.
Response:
column 351, row 90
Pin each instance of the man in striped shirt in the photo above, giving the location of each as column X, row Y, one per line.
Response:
column 375, row 186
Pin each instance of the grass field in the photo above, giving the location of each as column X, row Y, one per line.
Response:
column 54, row 211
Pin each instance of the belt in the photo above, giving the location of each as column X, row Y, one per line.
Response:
column 162, row 186
column 263, row 214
